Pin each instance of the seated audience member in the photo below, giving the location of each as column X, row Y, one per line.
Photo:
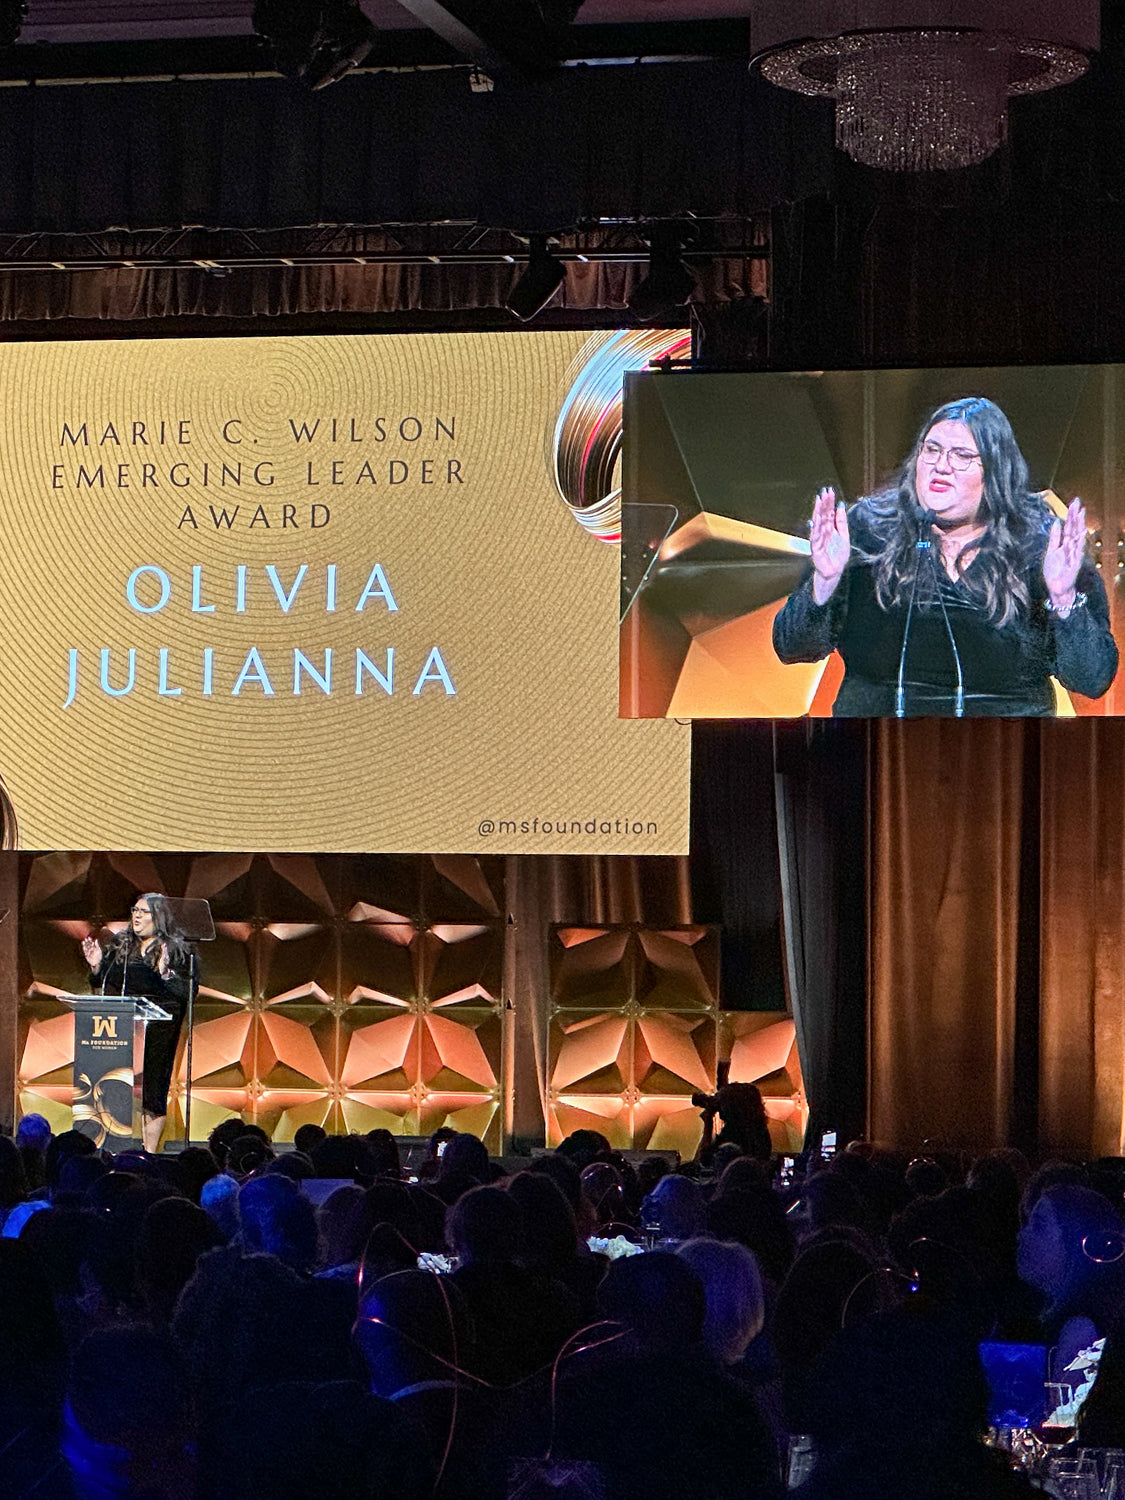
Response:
column 190, row 1169
column 677, row 1206
column 551, row 1246
column 651, row 1410
column 743, row 1174
column 241, row 1322
column 32, row 1372
column 384, row 1153
column 1072, row 1251
column 219, row 1200
column 128, row 1422
column 345, row 1157
column 464, row 1164
column 567, row 1178
column 1101, row 1418
column 343, row 1225
column 897, row 1408
column 831, row 1285
column 247, row 1153
column 416, row 1340
column 962, row 1254
column 294, row 1164
column 32, row 1139
column 62, row 1147
column 521, row 1317
column 440, row 1139
column 174, row 1234
column 603, row 1196
column 754, row 1217
column 306, row 1441
column 1050, row 1174
column 225, row 1133
column 278, row 1220
column 58, row 1239
column 76, row 1175
column 120, row 1203
column 732, row 1290
column 414, row 1334
column 13, row 1177
column 828, row 1200
column 584, row 1146
column 926, row 1178
column 306, row 1137
column 649, row 1173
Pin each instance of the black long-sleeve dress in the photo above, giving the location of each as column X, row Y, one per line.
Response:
column 137, row 976
column 1006, row 668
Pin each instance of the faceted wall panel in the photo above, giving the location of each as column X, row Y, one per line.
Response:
column 762, row 1047
column 354, row 991
column 635, row 1029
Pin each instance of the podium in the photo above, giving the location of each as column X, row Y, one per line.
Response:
column 109, row 1049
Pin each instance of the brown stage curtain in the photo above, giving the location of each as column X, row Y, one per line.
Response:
column 1082, row 1026
column 279, row 291
column 998, row 934
column 945, row 853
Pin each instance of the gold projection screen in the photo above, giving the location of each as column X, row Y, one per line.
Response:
column 316, row 593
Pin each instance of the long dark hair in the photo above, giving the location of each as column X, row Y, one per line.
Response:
column 1016, row 521
column 126, row 945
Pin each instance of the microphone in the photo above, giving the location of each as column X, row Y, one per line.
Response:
column 924, row 519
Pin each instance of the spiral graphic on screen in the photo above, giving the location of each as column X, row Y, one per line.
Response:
column 586, row 438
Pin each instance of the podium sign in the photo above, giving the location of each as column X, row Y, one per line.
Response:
column 109, row 1039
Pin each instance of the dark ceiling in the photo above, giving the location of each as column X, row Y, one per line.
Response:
column 84, row 38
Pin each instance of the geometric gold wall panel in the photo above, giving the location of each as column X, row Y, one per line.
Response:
column 633, row 1032
column 351, row 990
column 762, row 1047
column 635, row 1029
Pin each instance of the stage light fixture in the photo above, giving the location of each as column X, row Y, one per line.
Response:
column 668, row 283
column 316, row 41
column 539, row 282
column 12, row 14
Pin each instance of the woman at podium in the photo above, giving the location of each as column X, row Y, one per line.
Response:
column 151, row 958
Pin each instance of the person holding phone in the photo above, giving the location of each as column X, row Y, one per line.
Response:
column 955, row 590
column 150, row 958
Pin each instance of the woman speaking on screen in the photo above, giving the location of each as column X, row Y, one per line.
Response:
column 955, row 590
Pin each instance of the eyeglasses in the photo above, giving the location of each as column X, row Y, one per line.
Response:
column 959, row 458
column 142, row 911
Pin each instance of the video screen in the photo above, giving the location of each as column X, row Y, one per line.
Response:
column 319, row 594
column 872, row 543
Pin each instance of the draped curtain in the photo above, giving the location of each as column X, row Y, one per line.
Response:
column 997, row 960
column 187, row 293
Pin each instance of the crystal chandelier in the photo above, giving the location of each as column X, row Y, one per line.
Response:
column 924, row 85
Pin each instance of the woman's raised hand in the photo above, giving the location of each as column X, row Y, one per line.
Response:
column 92, row 951
column 1066, row 547
column 829, row 544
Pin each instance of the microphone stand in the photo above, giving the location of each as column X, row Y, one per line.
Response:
column 959, row 691
column 923, row 544
column 190, row 1038
column 192, row 916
